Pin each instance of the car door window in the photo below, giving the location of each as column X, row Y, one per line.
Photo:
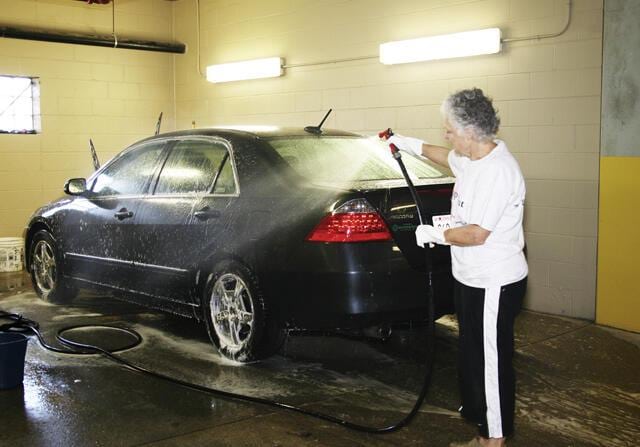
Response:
column 130, row 173
column 191, row 167
column 225, row 183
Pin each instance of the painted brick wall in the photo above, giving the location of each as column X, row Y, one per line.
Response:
column 548, row 93
column 111, row 95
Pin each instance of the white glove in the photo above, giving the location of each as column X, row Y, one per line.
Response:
column 407, row 144
column 427, row 234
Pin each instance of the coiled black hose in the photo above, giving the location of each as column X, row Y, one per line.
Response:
column 19, row 323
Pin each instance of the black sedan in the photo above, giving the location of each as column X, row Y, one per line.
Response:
column 254, row 231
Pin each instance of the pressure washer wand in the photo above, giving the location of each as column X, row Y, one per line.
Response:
column 396, row 154
column 416, row 198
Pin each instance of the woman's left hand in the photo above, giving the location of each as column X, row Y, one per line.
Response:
column 428, row 234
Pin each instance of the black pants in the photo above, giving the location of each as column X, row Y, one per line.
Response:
column 485, row 371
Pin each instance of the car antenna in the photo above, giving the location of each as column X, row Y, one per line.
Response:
column 158, row 124
column 94, row 155
column 317, row 129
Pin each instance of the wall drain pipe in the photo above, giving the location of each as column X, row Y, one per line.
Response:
column 97, row 41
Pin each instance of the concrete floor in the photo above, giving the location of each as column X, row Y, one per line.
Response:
column 579, row 385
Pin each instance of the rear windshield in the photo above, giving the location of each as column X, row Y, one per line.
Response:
column 345, row 160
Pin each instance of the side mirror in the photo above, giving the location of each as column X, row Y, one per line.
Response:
column 75, row 186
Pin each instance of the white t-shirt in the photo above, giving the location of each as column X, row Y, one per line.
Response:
column 489, row 192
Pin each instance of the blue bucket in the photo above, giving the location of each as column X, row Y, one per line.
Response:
column 13, row 347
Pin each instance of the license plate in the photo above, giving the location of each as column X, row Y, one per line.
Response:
column 442, row 222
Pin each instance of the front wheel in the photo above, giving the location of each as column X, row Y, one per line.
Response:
column 46, row 270
column 238, row 320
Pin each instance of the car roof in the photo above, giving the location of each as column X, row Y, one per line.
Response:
column 261, row 132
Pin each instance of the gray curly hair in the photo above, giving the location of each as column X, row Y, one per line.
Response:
column 471, row 110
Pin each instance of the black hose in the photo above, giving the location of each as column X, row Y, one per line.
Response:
column 422, row 217
column 26, row 325
column 23, row 325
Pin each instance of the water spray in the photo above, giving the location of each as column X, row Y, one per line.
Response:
column 19, row 323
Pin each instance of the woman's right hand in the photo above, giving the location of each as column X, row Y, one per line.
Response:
column 410, row 145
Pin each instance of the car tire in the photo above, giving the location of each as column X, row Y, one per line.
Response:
column 238, row 319
column 46, row 270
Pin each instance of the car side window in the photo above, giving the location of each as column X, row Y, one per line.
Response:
column 225, row 183
column 130, row 173
column 191, row 167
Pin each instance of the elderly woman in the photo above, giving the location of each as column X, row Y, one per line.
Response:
column 487, row 258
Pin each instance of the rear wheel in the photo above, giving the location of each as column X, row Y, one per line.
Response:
column 238, row 320
column 46, row 270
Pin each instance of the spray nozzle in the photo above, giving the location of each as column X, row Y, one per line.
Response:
column 385, row 133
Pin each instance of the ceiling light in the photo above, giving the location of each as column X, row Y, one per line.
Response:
column 239, row 71
column 445, row 46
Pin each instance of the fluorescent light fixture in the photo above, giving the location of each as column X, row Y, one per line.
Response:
column 468, row 43
column 270, row 67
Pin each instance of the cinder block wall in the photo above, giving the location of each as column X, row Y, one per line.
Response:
column 548, row 93
column 111, row 95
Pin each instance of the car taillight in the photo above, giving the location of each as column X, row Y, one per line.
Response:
column 354, row 221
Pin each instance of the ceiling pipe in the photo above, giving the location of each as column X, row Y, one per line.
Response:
column 96, row 41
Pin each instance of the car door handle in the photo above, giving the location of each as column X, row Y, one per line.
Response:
column 206, row 213
column 123, row 214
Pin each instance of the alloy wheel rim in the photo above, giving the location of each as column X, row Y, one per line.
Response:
column 44, row 266
column 232, row 311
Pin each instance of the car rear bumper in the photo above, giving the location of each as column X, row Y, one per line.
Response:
column 358, row 299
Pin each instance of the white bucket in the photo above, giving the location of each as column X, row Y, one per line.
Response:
column 11, row 254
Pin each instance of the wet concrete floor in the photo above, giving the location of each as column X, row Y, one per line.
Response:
column 578, row 385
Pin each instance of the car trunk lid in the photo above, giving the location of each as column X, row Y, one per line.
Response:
column 398, row 209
